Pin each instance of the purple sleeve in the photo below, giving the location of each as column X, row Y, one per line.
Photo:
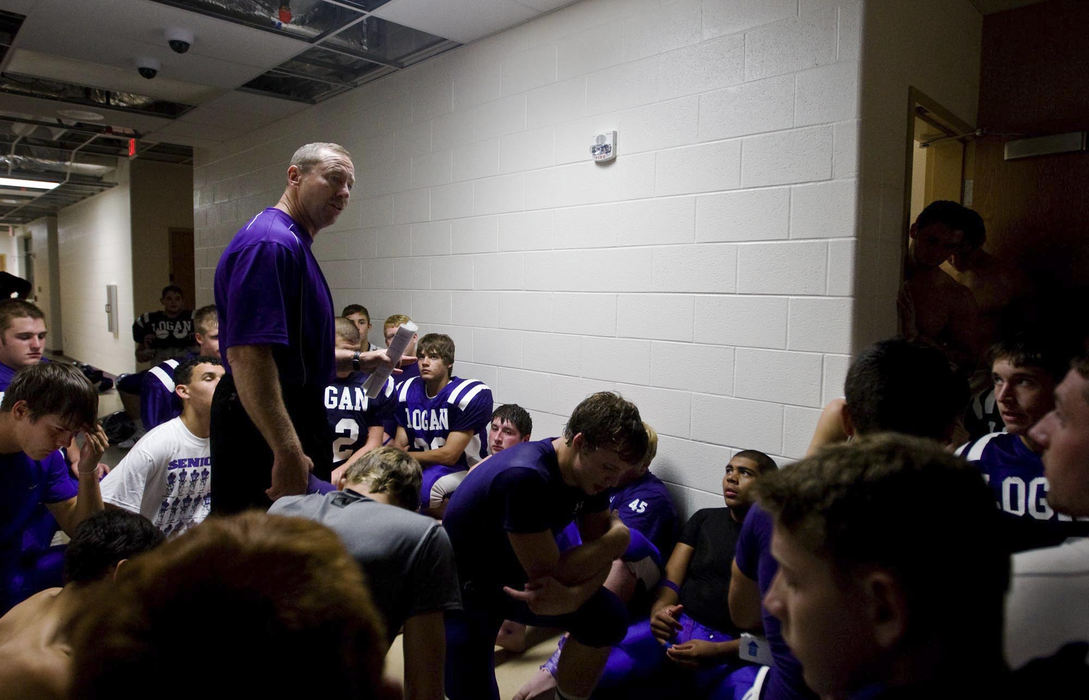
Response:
column 477, row 413
column 58, row 485
column 651, row 513
column 755, row 532
column 255, row 313
column 157, row 404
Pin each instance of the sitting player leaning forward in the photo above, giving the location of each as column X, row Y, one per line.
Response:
column 166, row 477
column 503, row 521
column 406, row 556
column 42, row 410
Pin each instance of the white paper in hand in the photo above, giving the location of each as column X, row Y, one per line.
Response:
column 396, row 348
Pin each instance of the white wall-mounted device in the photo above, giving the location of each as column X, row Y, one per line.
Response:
column 604, row 147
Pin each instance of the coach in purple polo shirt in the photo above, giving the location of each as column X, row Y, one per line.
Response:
column 276, row 338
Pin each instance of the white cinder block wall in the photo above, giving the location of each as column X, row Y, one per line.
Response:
column 707, row 274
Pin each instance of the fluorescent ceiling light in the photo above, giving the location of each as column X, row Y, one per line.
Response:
column 29, row 184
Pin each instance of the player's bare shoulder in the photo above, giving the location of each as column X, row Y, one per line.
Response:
column 34, row 662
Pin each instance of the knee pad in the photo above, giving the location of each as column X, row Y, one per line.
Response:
column 602, row 621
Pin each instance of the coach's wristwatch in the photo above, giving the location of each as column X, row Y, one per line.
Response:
column 355, row 361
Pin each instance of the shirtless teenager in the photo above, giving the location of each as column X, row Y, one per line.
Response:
column 933, row 307
column 998, row 287
column 35, row 657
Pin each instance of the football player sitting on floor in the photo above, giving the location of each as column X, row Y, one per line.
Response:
column 1025, row 372
column 695, row 642
column 442, row 420
column 166, row 476
column 510, row 425
column 357, row 421
column 358, row 314
column 406, row 557
column 642, row 502
column 158, row 400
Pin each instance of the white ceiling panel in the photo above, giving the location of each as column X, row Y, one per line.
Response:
column 116, row 32
column 197, row 135
column 546, row 5
column 244, row 108
column 48, row 109
column 463, row 21
column 109, row 77
column 22, row 7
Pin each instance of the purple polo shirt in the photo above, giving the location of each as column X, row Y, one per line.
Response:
column 26, row 527
column 270, row 290
column 6, row 375
column 753, row 558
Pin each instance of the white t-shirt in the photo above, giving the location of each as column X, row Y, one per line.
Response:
column 166, row 477
column 1048, row 603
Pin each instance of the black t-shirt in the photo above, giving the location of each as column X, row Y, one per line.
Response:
column 176, row 332
column 712, row 533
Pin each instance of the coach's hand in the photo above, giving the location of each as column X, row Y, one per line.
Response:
column 290, row 471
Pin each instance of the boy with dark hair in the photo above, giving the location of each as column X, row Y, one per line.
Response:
column 406, row 557
column 35, row 657
column 161, row 335
column 892, row 385
column 357, row 420
column 166, row 477
column 905, row 387
column 45, row 406
column 933, row 306
column 358, row 314
column 442, row 419
column 895, row 385
column 274, row 597
column 1025, row 373
column 510, row 425
column 158, row 400
column 503, row 521
column 867, row 602
column 688, row 613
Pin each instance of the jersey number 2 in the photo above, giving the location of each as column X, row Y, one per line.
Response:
column 343, row 447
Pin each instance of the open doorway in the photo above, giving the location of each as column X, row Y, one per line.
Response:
column 932, row 305
column 182, row 264
column 941, row 149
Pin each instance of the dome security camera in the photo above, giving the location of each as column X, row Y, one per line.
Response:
column 148, row 67
column 179, row 39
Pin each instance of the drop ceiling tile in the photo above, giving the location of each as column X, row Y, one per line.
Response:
column 117, row 32
column 109, row 77
column 242, row 107
column 463, row 21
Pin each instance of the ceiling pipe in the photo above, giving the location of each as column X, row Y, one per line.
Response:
column 67, row 177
